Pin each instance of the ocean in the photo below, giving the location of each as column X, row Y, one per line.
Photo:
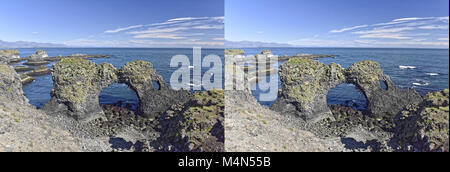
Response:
column 425, row 70
column 38, row 92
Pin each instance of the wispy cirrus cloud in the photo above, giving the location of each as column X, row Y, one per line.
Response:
column 196, row 31
column 348, row 29
column 123, row 29
column 409, row 32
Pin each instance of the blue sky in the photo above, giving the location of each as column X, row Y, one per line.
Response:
column 114, row 23
column 340, row 23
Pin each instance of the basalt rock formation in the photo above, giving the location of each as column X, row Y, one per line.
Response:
column 78, row 83
column 10, row 85
column 196, row 126
column 306, row 82
column 424, row 127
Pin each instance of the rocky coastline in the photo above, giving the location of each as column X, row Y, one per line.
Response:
column 394, row 120
column 169, row 120
column 75, row 121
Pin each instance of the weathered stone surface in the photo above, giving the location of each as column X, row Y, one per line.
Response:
column 77, row 86
column 196, row 126
column 10, row 85
column 368, row 76
column 39, row 71
column 305, row 84
column 7, row 55
column 22, row 68
column 424, row 127
column 78, row 83
column 154, row 94
column 25, row 79
column 39, row 56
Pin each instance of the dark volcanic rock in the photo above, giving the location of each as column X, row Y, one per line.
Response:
column 305, row 84
column 142, row 78
column 196, row 126
column 10, row 85
column 77, row 86
column 424, row 127
column 368, row 77
column 78, row 83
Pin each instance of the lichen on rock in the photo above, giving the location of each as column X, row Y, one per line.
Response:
column 197, row 125
column 11, row 85
column 424, row 127
column 305, row 84
column 77, row 85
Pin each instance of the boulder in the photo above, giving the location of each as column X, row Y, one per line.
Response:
column 424, row 127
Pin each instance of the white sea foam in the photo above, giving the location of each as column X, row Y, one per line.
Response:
column 407, row 67
column 432, row 74
column 421, row 84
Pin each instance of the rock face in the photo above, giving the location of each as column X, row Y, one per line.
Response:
column 368, row 77
column 196, row 126
column 78, row 83
column 10, row 85
column 7, row 55
column 424, row 127
column 154, row 94
column 306, row 82
column 39, row 56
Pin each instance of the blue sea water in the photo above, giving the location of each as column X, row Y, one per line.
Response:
column 38, row 92
column 424, row 70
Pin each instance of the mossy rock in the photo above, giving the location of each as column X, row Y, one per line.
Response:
column 234, row 52
column 425, row 127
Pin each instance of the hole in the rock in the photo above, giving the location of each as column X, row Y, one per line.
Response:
column 347, row 95
column 383, row 85
column 119, row 95
column 156, row 85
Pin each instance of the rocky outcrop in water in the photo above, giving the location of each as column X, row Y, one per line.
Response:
column 78, row 83
column 7, row 55
column 385, row 100
column 424, row 127
column 305, row 84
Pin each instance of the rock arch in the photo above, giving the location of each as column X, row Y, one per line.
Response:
column 78, row 83
column 306, row 82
